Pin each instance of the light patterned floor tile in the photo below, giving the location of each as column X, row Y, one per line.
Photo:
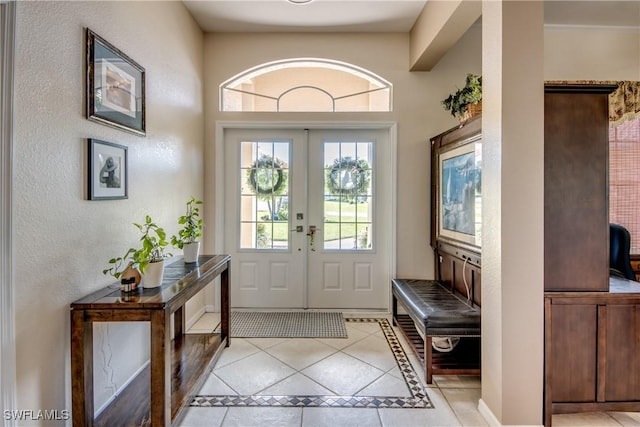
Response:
column 265, row 343
column 369, row 328
column 355, row 335
column 455, row 398
column 262, row 417
column 417, row 418
column 626, row 418
column 340, row 417
column 342, row 374
column 240, row 349
column 599, row 419
column 202, row 417
column 214, row 386
column 254, row 373
column 301, row 353
column 464, row 402
column 296, row 385
column 372, row 350
column 402, row 386
column 386, row 385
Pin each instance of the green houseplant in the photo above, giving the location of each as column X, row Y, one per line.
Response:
column 148, row 259
column 152, row 254
column 192, row 226
column 466, row 102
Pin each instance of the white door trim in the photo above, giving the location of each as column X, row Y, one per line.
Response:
column 219, row 195
column 7, row 315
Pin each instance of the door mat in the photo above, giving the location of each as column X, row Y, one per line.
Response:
column 256, row 324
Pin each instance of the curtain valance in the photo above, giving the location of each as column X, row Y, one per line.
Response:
column 624, row 103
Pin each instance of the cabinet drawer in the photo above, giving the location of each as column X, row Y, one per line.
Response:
column 573, row 359
column 620, row 335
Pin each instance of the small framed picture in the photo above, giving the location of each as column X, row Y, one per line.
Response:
column 115, row 86
column 108, row 174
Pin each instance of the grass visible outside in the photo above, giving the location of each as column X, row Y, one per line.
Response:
column 332, row 225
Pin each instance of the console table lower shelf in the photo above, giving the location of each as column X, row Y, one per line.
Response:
column 189, row 355
column 177, row 366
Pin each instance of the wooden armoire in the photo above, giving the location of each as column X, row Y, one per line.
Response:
column 592, row 321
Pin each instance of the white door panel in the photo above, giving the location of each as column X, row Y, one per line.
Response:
column 269, row 258
column 350, row 266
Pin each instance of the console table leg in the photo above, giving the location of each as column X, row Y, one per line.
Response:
column 225, row 314
column 179, row 322
column 160, row 368
column 82, row 370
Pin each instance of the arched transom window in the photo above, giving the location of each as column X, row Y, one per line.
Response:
column 306, row 84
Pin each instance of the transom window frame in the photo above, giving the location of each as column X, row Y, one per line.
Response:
column 246, row 76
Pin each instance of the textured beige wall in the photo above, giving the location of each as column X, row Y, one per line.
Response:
column 416, row 109
column 578, row 53
column 62, row 241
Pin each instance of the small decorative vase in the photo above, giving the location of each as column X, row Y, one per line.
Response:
column 152, row 277
column 130, row 279
column 191, row 252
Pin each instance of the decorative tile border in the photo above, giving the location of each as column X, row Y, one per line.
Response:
column 418, row 398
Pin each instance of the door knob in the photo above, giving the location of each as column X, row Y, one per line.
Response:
column 312, row 234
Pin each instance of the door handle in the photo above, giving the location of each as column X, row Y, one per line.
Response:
column 312, row 230
column 312, row 234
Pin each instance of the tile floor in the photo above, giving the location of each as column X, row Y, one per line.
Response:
column 355, row 369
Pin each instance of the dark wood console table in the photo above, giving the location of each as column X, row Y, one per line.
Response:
column 177, row 365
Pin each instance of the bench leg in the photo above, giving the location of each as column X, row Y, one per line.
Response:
column 394, row 310
column 428, row 360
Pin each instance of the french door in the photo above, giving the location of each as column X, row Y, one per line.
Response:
column 308, row 218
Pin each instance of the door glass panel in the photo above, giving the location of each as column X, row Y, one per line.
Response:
column 348, row 198
column 264, row 206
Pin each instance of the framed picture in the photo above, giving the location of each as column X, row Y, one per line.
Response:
column 460, row 195
column 108, row 171
column 115, row 86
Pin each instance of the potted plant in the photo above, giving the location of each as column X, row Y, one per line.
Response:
column 192, row 226
column 150, row 258
column 145, row 264
column 466, row 102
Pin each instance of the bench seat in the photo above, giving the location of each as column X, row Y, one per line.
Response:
column 436, row 311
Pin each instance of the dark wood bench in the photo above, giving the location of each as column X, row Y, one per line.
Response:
column 434, row 310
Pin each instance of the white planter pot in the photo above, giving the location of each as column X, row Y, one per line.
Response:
column 191, row 252
column 152, row 277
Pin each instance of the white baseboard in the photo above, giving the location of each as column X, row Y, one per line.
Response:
column 489, row 417
column 194, row 318
column 121, row 388
column 487, row 414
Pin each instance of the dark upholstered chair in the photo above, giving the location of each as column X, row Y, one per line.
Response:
column 619, row 247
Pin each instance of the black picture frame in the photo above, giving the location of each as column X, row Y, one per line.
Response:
column 115, row 86
column 108, row 174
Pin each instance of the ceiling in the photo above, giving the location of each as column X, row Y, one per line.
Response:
column 377, row 15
